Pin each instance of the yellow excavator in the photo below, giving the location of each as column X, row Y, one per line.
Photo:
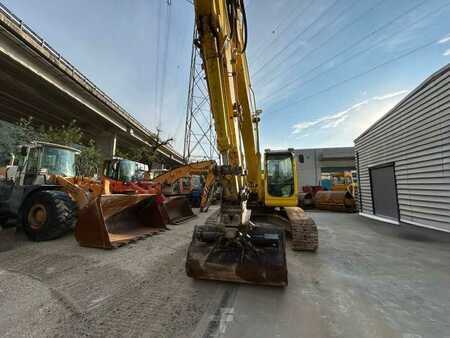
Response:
column 244, row 241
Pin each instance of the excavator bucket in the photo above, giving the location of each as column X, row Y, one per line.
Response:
column 110, row 221
column 258, row 257
column 178, row 209
column 335, row 201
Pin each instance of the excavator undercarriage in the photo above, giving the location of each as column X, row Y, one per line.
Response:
column 253, row 255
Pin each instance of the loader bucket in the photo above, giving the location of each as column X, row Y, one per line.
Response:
column 335, row 201
column 212, row 256
column 178, row 209
column 110, row 221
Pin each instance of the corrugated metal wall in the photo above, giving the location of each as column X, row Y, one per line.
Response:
column 416, row 136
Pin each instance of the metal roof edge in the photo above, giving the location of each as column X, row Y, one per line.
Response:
column 429, row 79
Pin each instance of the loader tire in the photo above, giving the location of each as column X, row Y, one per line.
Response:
column 48, row 214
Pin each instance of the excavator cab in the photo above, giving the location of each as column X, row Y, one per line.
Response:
column 281, row 188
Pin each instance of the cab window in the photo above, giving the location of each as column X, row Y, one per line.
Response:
column 280, row 175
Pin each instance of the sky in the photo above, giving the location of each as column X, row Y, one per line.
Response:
column 323, row 71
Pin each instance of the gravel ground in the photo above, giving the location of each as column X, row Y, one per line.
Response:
column 60, row 289
column 368, row 279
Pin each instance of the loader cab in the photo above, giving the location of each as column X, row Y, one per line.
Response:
column 124, row 170
column 38, row 160
column 280, row 179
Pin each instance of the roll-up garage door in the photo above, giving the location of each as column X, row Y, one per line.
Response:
column 384, row 191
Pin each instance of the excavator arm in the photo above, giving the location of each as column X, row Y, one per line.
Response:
column 197, row 168
column 230, row 247
column 222, row 39
column 203, row 168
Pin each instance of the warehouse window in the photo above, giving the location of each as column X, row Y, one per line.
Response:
column 301, row 158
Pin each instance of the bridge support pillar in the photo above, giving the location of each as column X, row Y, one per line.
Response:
column 106, row 144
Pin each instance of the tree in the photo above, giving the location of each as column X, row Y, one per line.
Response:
column 7, row 142
column 147, row 154
column 69, row 135
column 89, row 161
column 26, row 131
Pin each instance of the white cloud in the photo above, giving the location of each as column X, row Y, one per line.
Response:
column 328, row 121
column 446, row 53
column 335, row 123
column 444, row 40
column 390, row 95
column 336, row 119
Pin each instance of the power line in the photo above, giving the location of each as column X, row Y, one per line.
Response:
column 361, row 16
column 158, row 33
column 401, row 56
column 294, row 39
column 375, row 45
column 262, row 46
column 165, row 60
column 345, row 50
column 296, row 50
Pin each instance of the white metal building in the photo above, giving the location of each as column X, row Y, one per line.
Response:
column 312, row 163
column 403, row 159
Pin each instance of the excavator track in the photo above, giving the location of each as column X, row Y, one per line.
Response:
column 300, row 227
column 303, row 229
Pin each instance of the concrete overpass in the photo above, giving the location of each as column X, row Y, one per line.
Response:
column 35, row 80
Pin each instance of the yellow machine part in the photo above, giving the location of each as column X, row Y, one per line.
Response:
column 230, row 246
column 280, row 201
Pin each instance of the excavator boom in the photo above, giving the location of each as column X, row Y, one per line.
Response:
column 229, row 247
